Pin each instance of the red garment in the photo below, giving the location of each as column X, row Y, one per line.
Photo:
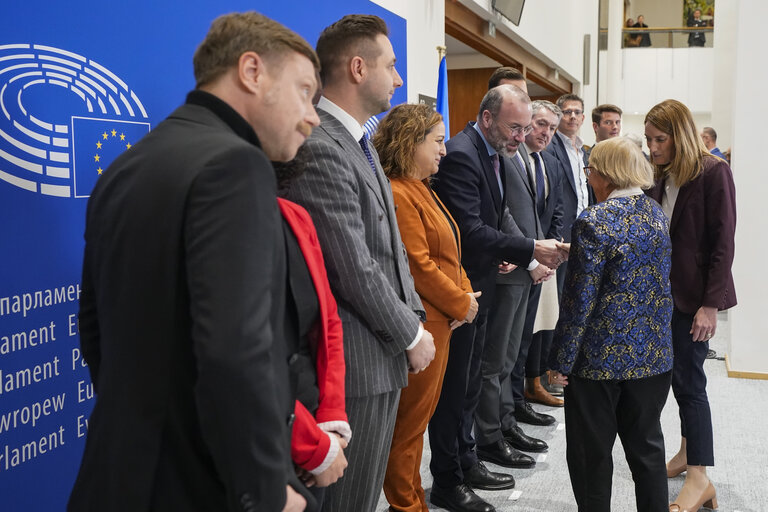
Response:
column 309, row 443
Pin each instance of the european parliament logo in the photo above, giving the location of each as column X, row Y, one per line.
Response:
column 44, row 147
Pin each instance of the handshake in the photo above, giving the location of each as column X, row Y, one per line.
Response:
column 551, row 252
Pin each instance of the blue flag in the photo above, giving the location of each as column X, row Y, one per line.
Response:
column 442, row 96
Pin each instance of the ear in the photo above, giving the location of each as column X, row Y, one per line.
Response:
column 251, row 71
column 594, row 126
column 486, row 118
column 358, row 69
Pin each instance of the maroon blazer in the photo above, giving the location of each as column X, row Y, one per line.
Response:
column 702, row 230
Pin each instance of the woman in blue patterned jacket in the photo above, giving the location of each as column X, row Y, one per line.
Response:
column 612, row 345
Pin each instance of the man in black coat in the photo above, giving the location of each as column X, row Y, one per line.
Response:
column 184, row 295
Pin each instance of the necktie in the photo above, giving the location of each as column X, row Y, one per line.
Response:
column 364, row 144
column 540, row 194
column 495, row 162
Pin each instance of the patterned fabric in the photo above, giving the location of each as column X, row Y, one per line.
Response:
column 616, row 306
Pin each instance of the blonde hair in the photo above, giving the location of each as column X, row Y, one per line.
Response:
column 674, row 119
column 405, row 127
column 621, row 162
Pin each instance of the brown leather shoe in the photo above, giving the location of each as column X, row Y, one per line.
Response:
column 535, row 392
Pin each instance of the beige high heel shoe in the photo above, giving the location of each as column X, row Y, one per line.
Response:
column 708, row 499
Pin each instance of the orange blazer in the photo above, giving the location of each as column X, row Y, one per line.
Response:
column 434, row 254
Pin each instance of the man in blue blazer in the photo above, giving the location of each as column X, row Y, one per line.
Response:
column 471, row 183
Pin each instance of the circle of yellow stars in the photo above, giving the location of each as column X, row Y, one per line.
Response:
column 106, row 136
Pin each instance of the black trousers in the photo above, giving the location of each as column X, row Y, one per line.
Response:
column 597, row 410
column 536, row 364
column 689, row 384
column 516, row 381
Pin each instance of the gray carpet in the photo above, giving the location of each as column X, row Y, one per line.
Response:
column 739, row 410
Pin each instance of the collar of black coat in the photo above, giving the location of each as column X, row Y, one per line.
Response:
column 226, row 113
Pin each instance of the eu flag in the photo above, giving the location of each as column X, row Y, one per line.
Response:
column 442, row 96
column 96, row 143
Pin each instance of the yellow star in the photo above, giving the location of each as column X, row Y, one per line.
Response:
column 98, row 145
column 97, row 158
column 122, row 136
column 128, row 146
column 114, row 132
column 104, row 135
column 99, row 170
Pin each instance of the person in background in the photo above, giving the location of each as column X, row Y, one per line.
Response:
column 606, row 121
column 410, row 141
column 320, row 429
column 350, row 201
column 697, row 194
column 645, row 37
column 697, row 38
column 709, row 137
column 185, row 299
column 613, row 346
column 631, row 39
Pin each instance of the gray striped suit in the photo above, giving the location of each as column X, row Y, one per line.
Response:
column 368, row 270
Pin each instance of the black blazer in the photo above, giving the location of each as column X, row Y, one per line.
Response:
column 570, row 199
column 184, row 284
column 467, row 185
column 552, row 218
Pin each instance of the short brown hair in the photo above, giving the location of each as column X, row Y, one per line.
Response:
column 399, row 133
column 569, row 97
column 233, row 34
column 598, row 111
column 504, row 73
column 353, row 35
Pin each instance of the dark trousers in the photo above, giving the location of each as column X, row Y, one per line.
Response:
column 595, row 411
column 450, row 429
column 689, row 384
column 516, row 382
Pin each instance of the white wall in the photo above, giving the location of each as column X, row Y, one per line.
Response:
column 553, row 31
column 748, row 350
column 425, row 32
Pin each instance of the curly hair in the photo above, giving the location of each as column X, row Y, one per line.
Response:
column 398, row 134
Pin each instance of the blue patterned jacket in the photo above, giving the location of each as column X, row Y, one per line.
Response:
column 616, row 307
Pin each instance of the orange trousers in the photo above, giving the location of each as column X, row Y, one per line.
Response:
column 402, row 482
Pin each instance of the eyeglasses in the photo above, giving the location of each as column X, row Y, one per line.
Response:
column 588, row 170
column 517, row 130
column 569, row 113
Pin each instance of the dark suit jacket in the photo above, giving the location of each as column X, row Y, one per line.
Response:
column 702, row 228
column 367, row 265
column 552, row 218
column 570, row 199
column 180, row 323
column 520, row 200
column 467, row 185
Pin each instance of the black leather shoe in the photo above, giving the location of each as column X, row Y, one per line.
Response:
column 517, row 438
column 459, row 499
column 503, row 454
column 525, row 414
column 478, row 477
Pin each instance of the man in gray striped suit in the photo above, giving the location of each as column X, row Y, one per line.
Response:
column 350, row 200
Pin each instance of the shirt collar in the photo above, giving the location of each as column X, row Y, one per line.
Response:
column 626, row 192
column 567, row 140
column 349, row 122
column 490, row 149
column 226, row 113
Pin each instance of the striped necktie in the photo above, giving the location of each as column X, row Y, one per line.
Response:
column 364, row 144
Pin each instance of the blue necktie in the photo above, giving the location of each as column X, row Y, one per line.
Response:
column 364, row 144
column 540, row 194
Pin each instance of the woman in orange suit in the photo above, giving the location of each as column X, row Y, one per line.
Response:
column 410, row 143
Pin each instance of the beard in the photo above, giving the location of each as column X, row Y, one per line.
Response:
column 498, row 141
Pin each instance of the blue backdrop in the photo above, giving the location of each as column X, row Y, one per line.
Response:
column 79, row 83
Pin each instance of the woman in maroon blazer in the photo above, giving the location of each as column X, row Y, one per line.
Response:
column 696, row 192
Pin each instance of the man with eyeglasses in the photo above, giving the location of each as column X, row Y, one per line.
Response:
column 471, row 182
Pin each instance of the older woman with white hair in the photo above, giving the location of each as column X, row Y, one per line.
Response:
column 613, row 345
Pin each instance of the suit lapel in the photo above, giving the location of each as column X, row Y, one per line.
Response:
column 524, row 172
column 487, row 170
column 352, row 149
column 682, row 197
column 562, row 155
